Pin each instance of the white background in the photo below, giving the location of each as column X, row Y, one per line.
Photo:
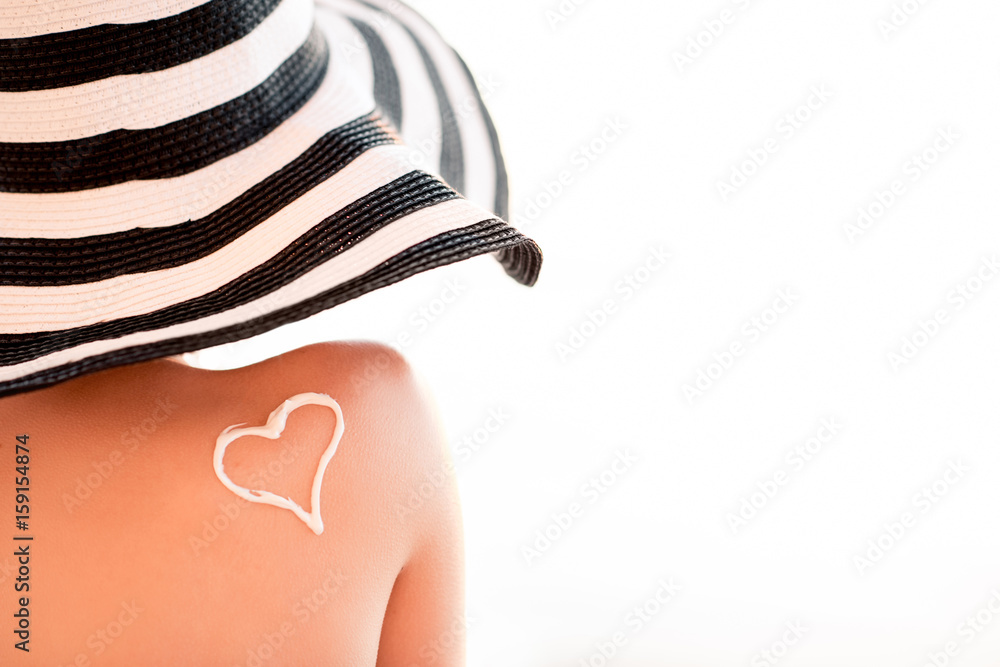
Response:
column 684, row 130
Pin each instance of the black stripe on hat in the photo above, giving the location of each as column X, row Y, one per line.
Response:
column 523, row 262
column 346, row 227
column 38, row 262
column 387, row 94
column 501, row 202
column 173, row 149
column 89, row 54
column 452, row 157
column 452, row 246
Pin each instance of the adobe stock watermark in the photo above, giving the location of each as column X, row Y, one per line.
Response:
column 626, row 287
column 561, row 13
column 465, row 449
column 637, row 618
column 426, row 314
column 74, row 155
column 562, row 521
column 926, row 330
column 899, row 16
column 896, row 529
column 785, row 128
column 467, row 106
column 586, row 154
column 704, row 38
column 7, row 568
column 270, row 644
column 751, row 331
column 220, row 176
column 418, row 322
column 104, row 637
column 110, row 295
column 776, row 652
column 378, row 18
column 967, row 631
column 913, row 169
column 796, row 459
column 455, row 633
column 231, row 510
column 89, row 481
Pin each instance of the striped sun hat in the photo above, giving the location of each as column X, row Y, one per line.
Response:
column 178, row 174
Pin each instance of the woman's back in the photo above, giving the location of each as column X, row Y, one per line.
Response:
column 140, row 556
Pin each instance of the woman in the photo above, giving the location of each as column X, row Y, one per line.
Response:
column 178, row 175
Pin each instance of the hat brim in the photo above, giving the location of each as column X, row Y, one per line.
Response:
column 326, row 207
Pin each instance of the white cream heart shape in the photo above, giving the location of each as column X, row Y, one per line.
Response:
column 272, row 430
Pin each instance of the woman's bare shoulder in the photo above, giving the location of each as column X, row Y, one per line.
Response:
column 131, row 510
column 372, row 376
column 389, row 415
column 392, row 437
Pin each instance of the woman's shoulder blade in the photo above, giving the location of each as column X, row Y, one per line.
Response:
column 127, row 501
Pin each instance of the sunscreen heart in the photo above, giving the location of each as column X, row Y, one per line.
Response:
column 272, row 430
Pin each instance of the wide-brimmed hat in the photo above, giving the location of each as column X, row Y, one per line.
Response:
column 178, row 174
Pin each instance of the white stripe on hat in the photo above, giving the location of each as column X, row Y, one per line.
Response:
column 344, row 38
column 50, row 308
column 148, row 100
column 353, row 262
column 29, row 18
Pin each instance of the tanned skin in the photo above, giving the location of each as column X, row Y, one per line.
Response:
column 142, row 557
